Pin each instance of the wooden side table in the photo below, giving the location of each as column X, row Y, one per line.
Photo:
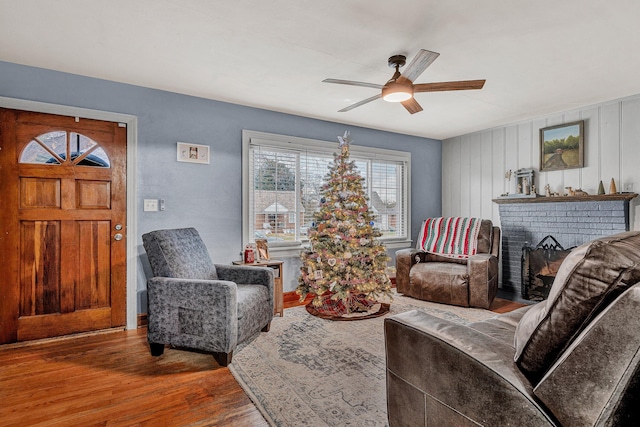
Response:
column 278, row 306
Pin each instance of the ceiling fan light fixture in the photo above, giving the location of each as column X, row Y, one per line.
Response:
column 397, row 92
column 400, row 88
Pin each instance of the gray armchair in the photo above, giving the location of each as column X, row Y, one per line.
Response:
column 196, row 304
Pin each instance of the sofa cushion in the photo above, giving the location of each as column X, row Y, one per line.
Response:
column 446, row 283
column 253, row 312
column 590, row 277
column 178, row 253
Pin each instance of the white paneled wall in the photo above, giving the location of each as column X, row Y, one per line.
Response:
column 474, row 165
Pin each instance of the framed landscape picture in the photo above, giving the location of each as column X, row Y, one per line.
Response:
column 562, row 146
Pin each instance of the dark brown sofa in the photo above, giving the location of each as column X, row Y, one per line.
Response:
column 471, row 282
column 571, row 360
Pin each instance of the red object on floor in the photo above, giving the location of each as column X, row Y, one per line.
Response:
column 338, row 310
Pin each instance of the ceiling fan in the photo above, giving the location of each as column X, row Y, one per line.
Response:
column 400, row 87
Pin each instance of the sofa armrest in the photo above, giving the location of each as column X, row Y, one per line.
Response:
column 193, row 313
column 243, row 275
column 246, row 275
column 405, row 259
column 483, row 279
column 595, row 381
column 444, row 373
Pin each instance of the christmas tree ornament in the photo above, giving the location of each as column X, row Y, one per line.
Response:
column 331, row 261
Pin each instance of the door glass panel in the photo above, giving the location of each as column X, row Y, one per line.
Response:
column 35, row 153
column 97, row 158
column 40, row 149
column 81, row 143
column 56, row 141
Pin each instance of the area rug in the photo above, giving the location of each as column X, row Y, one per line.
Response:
column 309, row 371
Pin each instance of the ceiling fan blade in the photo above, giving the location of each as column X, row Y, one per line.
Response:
column 422, row 60
column 442, row 86
column 357, row 104
column 352, row 83
column 412, row 105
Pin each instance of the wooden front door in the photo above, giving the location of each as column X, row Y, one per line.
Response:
column 62, row 225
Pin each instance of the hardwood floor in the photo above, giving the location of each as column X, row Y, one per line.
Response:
column 109, row 378
column 500, row 305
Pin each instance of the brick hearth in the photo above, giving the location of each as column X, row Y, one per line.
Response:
column 571, row 220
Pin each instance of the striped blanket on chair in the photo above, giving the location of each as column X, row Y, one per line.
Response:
column 455, row 237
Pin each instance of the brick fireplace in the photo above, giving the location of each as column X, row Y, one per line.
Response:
column 572, row 221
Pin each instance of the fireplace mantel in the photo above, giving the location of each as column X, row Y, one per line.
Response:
column 552, row 199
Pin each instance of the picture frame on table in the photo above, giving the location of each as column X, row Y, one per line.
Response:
column 263, row 249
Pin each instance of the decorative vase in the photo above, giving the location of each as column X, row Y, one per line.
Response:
column 612, row 187
column 601, row 188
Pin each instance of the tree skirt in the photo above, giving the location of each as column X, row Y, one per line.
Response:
column 356, row 308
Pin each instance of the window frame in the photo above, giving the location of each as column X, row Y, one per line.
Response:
column 357, row 152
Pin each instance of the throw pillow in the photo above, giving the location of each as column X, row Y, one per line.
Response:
column 178, row 253
column 590, row 277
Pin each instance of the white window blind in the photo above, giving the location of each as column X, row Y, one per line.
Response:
column 283, row 178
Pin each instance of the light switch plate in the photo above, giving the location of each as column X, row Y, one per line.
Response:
column 628, row 187
column 150, row 205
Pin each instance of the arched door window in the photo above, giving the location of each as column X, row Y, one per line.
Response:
column 60, row 147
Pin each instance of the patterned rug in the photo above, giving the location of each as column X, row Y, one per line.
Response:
column 308, row 371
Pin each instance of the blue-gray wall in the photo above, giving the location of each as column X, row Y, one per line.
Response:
column 208, row 197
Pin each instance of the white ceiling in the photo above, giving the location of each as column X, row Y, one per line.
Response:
column 538, row 56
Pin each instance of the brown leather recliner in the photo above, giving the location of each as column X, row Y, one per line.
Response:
column 471, row 282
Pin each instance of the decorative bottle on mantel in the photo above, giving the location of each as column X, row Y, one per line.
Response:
column 612, row 187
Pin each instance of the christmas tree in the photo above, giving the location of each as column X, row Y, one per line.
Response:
column 346, row 262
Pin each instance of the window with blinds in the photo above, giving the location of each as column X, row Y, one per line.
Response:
column 283, row 179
